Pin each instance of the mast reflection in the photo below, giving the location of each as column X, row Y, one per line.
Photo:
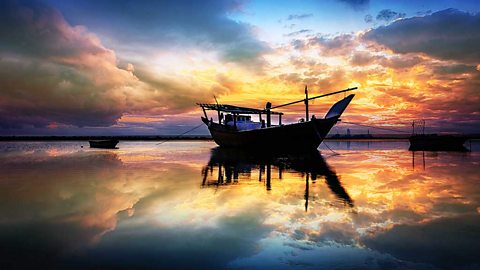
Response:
column 229, row 166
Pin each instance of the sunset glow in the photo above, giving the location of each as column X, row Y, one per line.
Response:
column 87, row 67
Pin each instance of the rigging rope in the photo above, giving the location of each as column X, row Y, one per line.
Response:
column 334, row 153
column 389, row 129
column 175, row 137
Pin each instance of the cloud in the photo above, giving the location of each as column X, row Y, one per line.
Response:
column 177, row 93
column 363, row 58
column 329, row 46
column 299, row 16
column 299, row 32
column 424, row 12
column 171, row 24
column 53, row 72
column 356, row 4
column 400, row 62
column 411, row 84
column 453, row 69
column 448, row 35
column 368, row 18
column 389, row 15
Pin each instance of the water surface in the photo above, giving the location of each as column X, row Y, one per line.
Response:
column 190, row 205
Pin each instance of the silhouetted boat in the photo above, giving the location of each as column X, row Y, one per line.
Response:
column 108, row 144
column 237, row 129
column 435, row 142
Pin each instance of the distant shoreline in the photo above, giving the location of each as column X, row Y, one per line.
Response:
column 86, row 138
column 187, row 138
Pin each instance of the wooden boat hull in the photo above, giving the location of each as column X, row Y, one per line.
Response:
column 106, row 144
column 437, row 143
column 297, row 136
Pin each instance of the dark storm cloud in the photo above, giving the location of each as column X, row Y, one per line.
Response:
column 356, row 4
column 454, row 69
column 389, row 15
column 29, row 27
column 183, row 23
column 449, row 35
column 51, row 71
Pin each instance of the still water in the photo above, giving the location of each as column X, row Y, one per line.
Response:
column 190, row 205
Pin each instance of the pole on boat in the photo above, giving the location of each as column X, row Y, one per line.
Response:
column 306, row 104
column 315, row 97
column 268, row 106
column 218, row 112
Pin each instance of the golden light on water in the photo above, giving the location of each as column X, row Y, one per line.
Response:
column 351, row 200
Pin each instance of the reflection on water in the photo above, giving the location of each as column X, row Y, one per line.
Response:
column 230, row 164
column 185, row 205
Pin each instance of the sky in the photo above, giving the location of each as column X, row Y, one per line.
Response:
column 110, row 67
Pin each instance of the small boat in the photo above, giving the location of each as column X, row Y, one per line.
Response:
column 108, row 144
column 236, row 128
column 435, row 142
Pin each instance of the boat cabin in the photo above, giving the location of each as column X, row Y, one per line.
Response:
column 240, row 118
column 243, row 122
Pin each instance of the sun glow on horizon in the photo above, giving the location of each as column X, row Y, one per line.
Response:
column 87, row 74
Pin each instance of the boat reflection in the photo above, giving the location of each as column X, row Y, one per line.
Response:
column 230, row 166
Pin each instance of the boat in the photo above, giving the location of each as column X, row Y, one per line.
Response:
column 435, row 142
column 236, row 128
column 107, row 144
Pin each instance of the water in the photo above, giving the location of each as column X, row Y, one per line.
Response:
column 180, row 205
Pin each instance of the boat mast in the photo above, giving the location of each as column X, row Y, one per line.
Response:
column 268, row 106
column 306, row 104
column 218, row 112
column 324, row 95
